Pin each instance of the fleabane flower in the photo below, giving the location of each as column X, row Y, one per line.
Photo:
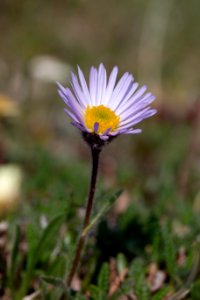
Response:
column 104, row 107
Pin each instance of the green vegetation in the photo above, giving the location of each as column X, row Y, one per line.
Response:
column 149, row 248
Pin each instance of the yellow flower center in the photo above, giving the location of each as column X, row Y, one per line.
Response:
column 102, row 115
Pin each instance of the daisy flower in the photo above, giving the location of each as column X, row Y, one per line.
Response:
column 104, row 107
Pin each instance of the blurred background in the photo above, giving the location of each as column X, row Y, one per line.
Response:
column 44, row 162
column 156, row 40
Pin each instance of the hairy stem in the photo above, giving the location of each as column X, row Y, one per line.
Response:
column 81, row 242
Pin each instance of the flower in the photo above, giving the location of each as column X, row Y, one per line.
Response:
column 103, row 107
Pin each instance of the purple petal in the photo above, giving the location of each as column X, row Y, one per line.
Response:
column 79, row 126
column 131, row 89
column 71, row 115
column 60, row 87
column 134, row 115
column 93, row 85
column 132, row 100
column 104, row 137
column 110, row 86
column 99, row 84
column 120, row 89
column 134, row 108
column 96, row 126
column 103, row 83
column 146, row 113
column 107, row 131
column 134, row 131
column 64, row 98
column 78, row 91
column 84, row 85
column 73, row 103
column 123, row 92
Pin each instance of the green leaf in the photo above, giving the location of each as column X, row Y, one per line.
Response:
column 102, row 212
column 79, row 297
column 169, row 250
column 161, row 294
column 103, row 280
column 195, row 291
column 94, row 291
column 121, row 262
column 140, row 287
column 137, row 268
column 50, row 231
column 14, row 256
column 55, row 281
column 36, row 253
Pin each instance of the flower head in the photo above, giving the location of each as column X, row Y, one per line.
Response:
column 104, row 108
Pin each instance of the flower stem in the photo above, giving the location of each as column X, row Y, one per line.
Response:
column 81, row 242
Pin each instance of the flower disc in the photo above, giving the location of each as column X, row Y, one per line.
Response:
column 103, row 116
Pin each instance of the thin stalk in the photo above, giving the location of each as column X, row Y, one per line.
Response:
column 81, row 242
